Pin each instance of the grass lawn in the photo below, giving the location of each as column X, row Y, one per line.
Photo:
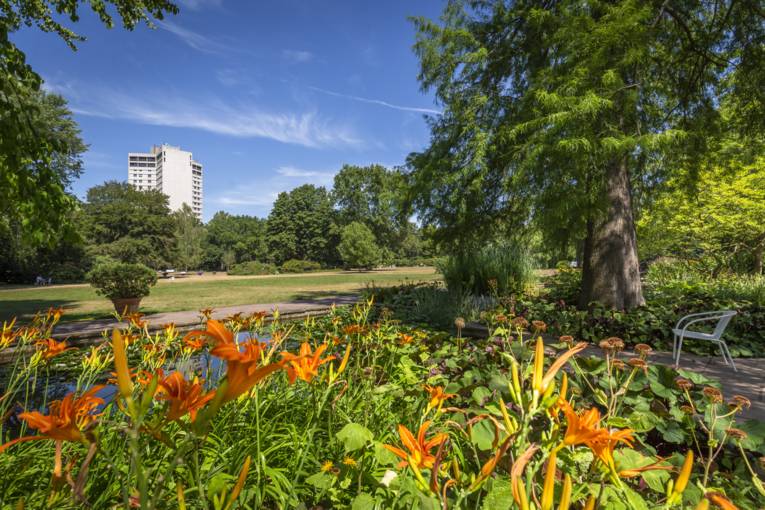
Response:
column 82, row 303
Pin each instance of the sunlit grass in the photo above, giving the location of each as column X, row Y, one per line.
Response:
column 82, row 303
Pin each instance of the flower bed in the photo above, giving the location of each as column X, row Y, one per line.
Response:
column 344, row 412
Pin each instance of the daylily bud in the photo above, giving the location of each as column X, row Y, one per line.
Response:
column 565, row 497
column 549, row 484
column 124, row 383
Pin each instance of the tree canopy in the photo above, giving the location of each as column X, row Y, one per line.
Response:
column 300, row 226
column 38, row 155
column 130, row 225
column 357, row 246
column 580, row 107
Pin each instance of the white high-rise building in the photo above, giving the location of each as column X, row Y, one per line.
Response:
column 171, row 171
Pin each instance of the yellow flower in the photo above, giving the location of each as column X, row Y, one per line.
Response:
column 327, row 466
column 349, row 462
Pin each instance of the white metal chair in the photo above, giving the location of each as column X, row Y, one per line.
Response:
column 681, row 332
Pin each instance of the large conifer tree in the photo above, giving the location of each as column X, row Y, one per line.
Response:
column 578, row 106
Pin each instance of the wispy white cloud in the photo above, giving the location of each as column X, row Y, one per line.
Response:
column 194, row 39
column 259, row 195
column 244, row 120
column 299, row 56
column 291, row 171
column 378, row 102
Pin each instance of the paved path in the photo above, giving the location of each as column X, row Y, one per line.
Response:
column 81, row 332
column 748, row 381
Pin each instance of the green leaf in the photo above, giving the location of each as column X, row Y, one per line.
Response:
column 500, row 496
column 363, row 502
column 482, row 435
column 320, row 480
column 354, row 437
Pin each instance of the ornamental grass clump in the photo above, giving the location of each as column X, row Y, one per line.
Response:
column 345, row 412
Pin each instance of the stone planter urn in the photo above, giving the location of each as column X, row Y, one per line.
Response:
column 125, row 306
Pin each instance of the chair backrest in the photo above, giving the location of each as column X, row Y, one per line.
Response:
column 722, row 323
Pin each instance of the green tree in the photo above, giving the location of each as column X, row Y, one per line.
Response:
column 129, row 225
column 722, row 218
column 244, row 236
column 228, row 259
column 372, row 195
column 577, row 104
column 33, row 195
column 357, row 246
column 300, row 226
column 28, row 246
column 189, row 237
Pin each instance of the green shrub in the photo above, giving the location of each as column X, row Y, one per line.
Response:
column 495, row 269
column 671, row 290
column 252, row 267
column 116, row 280
column 300, row 266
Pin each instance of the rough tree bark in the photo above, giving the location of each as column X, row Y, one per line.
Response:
column 759, row 251
column 611, row 272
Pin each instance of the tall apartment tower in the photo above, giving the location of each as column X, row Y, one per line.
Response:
column 171, row 171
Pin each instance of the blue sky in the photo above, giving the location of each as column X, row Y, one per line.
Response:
column 267, row 95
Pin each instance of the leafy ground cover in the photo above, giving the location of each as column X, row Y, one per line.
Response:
column 352, row 411
column 82, row 303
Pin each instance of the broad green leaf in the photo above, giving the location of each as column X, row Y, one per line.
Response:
column 354, row 437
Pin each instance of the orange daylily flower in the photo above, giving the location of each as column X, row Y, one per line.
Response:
column 305, row 365
column 194, row 343
column 66, row 420
column 437, row 396
column 51, row 348
column 206, row 313
column 419, row 448
column 585, row 429
column 215, row 330
column 184, row 397
column 405, row 339
column 353, row 329
column 243, row 370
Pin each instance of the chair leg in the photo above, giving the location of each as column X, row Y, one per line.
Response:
column 674, row 346
column 732, row 363
column 679, row 348
column 723, row 353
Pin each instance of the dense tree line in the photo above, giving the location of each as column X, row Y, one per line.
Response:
column 359, row 223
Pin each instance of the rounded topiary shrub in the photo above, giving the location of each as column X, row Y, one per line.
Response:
column 121, row 280
column 300, row 266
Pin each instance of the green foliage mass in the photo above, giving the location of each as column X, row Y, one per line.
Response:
column 300, row 226
column 129, row 225
column 720, row 221
column 494, row 269
column 39, row 143
column 558, row 114
column 114, row 280
column 189, row 239
column 235, row 238
column 357, row 247
column 252, row 267
column 300, row 266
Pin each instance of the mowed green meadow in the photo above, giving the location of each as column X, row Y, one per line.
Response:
column 80, row 301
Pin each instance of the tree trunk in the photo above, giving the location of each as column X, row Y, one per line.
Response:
column 759, row 251
column 611, row 273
